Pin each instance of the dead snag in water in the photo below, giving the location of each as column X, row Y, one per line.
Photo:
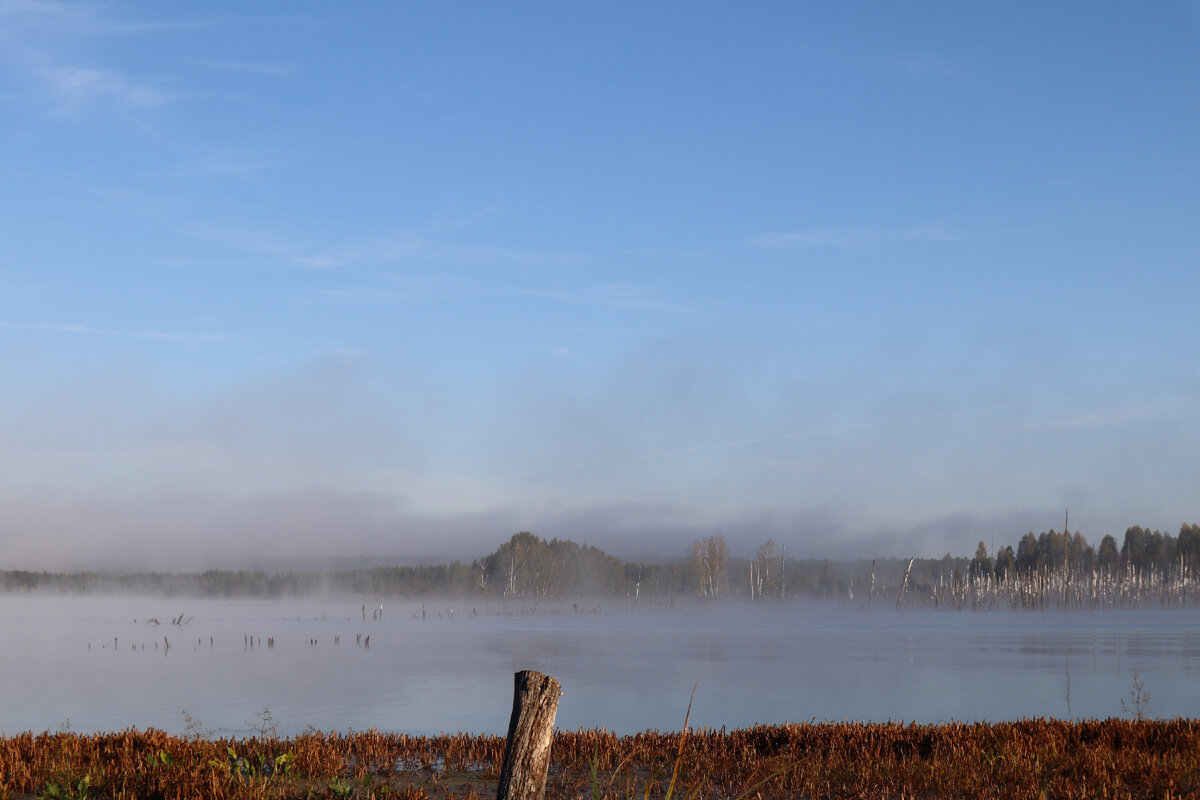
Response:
column 904, row 584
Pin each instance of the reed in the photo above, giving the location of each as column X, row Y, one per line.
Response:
column 1111, row 758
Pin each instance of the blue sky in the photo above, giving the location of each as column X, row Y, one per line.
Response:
column 398, row 280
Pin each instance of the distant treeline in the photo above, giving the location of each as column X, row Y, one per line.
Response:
column 1050, row 569
column 1063, row 570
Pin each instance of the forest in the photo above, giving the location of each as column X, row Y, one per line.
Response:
column 1050, row 569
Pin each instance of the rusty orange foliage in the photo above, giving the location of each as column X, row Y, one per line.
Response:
column 1033, row 758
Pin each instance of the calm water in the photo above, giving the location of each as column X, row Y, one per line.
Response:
column 622, row 669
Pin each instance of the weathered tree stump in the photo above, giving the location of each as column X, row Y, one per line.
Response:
column 530, row 730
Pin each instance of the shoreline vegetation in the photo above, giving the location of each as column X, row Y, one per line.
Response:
column 1053, row 570
column 1110, row 758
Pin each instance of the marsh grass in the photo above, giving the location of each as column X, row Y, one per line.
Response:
column 1114, row 758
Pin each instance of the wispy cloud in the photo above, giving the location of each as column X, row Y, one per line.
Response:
column 320, row 262
column 406, row 244
column 276, row 69
column 82, row 18
column 1096, row 418
column 400, row 246
column 41, row 13
column 153, row 26
column 392, row 289
column 77, row 87
column 520, row 256
column 857, row 237
column 221, row 164
column 626, row 296
column 132, row 333
column 672, row 253
column 265, row 246
column 368, row 296
column 46, row 44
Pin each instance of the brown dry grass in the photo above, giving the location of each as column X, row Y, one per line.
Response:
column 1029, row 759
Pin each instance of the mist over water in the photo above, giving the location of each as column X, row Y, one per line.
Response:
column 623, row 668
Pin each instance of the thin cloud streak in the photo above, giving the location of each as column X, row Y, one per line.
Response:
column 41, row 41
column 259, row 245
column 77, row 87
column 1103, row 418
column 80, row 19
column 218, row 165
column 672, row 253
column 625, row 296
column 369, row 296
column 84, row 329
column 857, row 238
column 277, row 69
column 402, row 246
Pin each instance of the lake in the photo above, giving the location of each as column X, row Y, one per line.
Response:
column 96, row 664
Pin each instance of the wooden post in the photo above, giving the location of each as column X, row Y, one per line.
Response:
column 530, row 730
